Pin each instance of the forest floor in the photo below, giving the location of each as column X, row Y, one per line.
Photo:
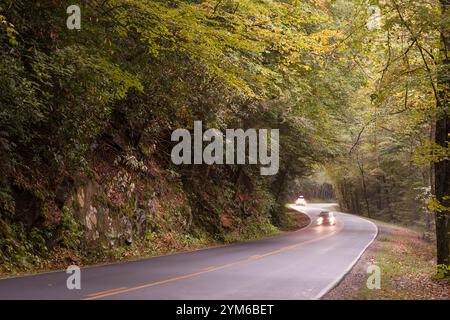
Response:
column 407, row 264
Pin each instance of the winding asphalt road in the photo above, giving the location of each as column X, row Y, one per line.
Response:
column 304, row 264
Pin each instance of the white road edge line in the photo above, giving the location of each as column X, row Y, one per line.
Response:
column 339, row 279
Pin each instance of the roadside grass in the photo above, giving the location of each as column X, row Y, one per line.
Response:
column 293, row 220
column 254, row 231
column 289, row 220
column 407, row 264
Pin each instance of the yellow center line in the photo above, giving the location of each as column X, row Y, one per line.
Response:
column 113, row 292
column 208, row 268
column 106, row 291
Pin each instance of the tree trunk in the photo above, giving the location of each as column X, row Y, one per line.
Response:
column 363, row 178
column 442, row 189
column 442, row 130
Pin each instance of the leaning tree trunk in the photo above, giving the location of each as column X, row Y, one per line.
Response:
column 442, row 130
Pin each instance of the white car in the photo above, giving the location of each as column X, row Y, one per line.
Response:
column 300, row 201
column 326, row 217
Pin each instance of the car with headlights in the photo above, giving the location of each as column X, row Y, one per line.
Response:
column 326, row 218
column 300, row 201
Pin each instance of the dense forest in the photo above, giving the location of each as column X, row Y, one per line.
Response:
column 358, row 90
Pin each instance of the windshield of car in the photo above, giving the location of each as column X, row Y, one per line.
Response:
column 324, row 214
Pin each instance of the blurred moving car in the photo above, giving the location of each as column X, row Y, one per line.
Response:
column 326, row 217
column 300, row 201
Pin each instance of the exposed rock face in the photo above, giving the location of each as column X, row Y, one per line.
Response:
column 91, row 222
column 117, row 212
column 86, row 211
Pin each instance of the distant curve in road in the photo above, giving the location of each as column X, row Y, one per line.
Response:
column 303, row 264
